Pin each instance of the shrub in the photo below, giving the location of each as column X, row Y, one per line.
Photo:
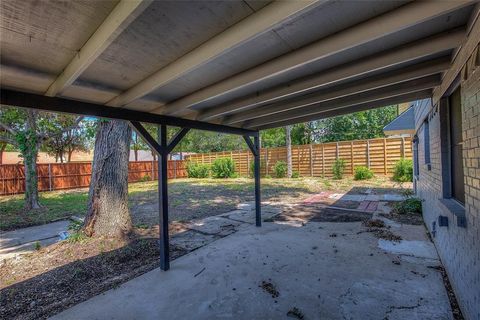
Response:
column 338, row 169
column 295, row 175
column 280, row 169
column 362, row 173
column 408, row 206
column 145, row 178
column 403, row 171
column 197, row 170
column 223, row 168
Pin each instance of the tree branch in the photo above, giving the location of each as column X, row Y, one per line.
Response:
column 7, row 128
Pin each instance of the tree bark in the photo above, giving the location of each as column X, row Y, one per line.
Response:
column 29, row 148
column 288, row 138
column 2, row 150
column 31, row 179
column 107, row 213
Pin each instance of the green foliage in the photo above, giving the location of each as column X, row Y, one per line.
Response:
column 403, row 171
column 37, row 245
column 363, row 173
column 280, row 169
column 75, row 225
column 198, row 170
column 360, row 125
column 77, row 237
column 408, row 206
column 338, row 169
column 145, row 178
column 223, row 168
column 295, row 175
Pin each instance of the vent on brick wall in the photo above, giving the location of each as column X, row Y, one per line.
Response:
column 443, row 221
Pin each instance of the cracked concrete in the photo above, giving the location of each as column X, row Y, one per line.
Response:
column 344, row 277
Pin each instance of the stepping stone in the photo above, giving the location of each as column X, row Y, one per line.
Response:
column 191, row 240
column 372, row 197
column 353, row 197
column 372, row 206
column 25, row 235
column 393, row 197
column 363, row 205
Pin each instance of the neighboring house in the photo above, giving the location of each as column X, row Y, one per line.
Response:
column 447, row 175
column 403, row 125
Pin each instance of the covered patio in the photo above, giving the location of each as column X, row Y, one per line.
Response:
column 237, row 67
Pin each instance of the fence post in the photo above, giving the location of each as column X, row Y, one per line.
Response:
column 298, row 159
column 337, row 152
column 311, row 160
column 174, row 169
column 368, row 154
column 385, row 156
column 323, row 160
column 351, row 155
column 50, row 177
column 266, row 161
column 153, row 171
column 403, row 147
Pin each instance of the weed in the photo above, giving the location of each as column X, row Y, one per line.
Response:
column 338, row 169
column 37, row 246
column 77, row 237
column 408, row 206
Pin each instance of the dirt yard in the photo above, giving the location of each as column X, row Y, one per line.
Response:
column 42, row 283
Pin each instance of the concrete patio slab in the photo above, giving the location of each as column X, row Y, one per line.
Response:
column 343, row 277
column 23, row 240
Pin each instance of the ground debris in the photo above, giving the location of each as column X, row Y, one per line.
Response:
column 295, row 313
column 385, row 234
column 270, row 289
column 374, row 223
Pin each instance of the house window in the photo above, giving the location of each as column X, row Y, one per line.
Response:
column 457, row 185
column 426, row 144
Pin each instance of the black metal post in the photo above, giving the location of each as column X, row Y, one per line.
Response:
column 258, row 212
column 163, row 199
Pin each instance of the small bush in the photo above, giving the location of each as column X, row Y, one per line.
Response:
column 252, row 167
column 37, row 246
column 363, row 173
column 77, row 237
column 338, row 169
column 223, row 168
column 280, row 169
column 197, row 170
column 408, row 206
column 295, row 175
column 145, row 178
column 403, row 171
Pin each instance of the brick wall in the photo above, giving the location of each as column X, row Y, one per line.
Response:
column 458, row 246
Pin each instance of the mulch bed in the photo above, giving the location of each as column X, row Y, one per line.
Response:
column 43, row 283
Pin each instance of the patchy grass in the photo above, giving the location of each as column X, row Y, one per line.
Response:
column 189, row 198
column 57, row 205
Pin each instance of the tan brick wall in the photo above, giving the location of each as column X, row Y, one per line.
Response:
column 458, row 247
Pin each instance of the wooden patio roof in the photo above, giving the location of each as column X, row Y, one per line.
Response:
column 228, row 64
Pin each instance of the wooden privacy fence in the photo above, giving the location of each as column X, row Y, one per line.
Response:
column 316, row 160
column 58, row 176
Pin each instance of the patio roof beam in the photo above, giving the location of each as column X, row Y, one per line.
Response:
column 256, row 24
column 351, row 89
column 402, row 18
column 118, row 20
column 55, row 104
column 391, row 91
column 356, row 108
column 415, row 50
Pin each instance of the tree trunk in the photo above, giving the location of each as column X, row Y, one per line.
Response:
column 288, row 137
column 107, row 213
column 31, row 178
